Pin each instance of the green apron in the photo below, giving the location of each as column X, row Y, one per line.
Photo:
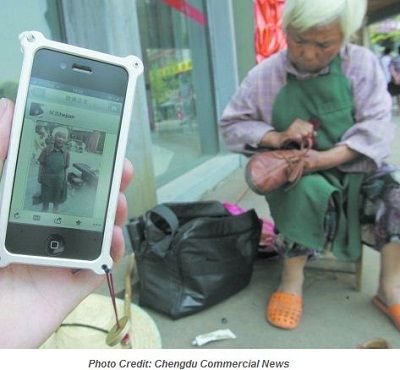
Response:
column 299, row 212
column 54, row 185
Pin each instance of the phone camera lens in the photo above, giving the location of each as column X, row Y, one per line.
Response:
column 63, row 65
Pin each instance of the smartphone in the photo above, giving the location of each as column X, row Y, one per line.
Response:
column 65, row 161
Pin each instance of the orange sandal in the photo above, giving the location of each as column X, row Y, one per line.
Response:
column 392, row 311
column 284, row 310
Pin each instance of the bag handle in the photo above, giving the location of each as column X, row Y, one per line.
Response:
column 166, row 213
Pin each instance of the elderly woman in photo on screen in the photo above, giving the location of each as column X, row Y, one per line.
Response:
column 331, row 93
column 53, row 164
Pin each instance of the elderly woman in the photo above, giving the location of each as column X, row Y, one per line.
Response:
column 54, row 162
column 324, row 90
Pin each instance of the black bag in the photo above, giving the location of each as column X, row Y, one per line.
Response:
column 192, row 255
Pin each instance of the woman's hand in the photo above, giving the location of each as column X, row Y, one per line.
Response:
column 324, row 160
column 299, row 131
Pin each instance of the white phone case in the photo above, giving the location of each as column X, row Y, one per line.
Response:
column 31, row 41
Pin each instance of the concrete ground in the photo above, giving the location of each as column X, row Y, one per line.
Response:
column 336, row 315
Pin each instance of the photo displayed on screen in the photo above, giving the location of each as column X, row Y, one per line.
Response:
column 66, row 157
column 64, row 170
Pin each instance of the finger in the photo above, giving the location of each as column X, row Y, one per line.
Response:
column 117, row 244
column 6, row 114
column 121, row 214
column 308, row 125
column 301, row 123
column 309, row 142
column 298, row 138
column 306, row 128
column 127, row 174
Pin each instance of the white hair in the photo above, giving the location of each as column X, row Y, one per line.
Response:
column 60, row 131
column 305, row 14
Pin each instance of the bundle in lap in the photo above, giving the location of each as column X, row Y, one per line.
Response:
column 270, row 170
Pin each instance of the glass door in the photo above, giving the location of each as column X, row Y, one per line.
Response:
column 179, row 85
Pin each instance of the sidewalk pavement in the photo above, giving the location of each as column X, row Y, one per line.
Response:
column 336, row 315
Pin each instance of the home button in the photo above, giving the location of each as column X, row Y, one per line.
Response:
column 55, row 245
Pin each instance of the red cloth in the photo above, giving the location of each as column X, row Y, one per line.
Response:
column 269, row 36
column 189, row 10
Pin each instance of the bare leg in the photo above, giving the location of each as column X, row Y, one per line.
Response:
column 45, row 207
column 389, row 280
column 285, row 307
column 293, row 275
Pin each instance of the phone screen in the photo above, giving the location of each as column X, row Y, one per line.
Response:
column 66, row 156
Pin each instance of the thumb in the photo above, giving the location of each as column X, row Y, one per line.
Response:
column 6, row 115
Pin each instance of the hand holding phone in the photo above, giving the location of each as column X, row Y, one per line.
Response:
column 68, row 142
column 48, row 294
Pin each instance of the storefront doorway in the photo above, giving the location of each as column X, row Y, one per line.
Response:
column 183, row 123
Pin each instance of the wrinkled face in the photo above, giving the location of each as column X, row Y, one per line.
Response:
column 59, row 140
column 313, row 50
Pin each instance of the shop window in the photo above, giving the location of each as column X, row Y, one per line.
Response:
column 179, row 85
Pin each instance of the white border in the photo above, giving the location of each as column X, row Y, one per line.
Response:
column 31, row 41
column 201, row 359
